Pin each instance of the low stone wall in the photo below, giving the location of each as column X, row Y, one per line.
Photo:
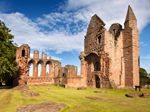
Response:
column 39, row 80
column 74, row 82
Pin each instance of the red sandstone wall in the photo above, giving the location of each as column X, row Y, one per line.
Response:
column 74, row 82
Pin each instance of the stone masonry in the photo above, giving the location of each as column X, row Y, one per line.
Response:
column 58, row 75
column 110, row 59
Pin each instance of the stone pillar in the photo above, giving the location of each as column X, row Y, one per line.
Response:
column 83, row 72
column 44, row 55
column 36, row 54
column 33, row 70
column 50, row 69
column 43, row 71
column 123, row 72
column 36, row 71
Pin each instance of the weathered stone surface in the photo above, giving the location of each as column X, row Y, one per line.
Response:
column 42, row 107
column 137, row 95
column 93, row 98
column 134, row 95
column 116, row 51
column 82, row 88
column 32, row 94
column 106, row 62
column 146, row 95
column 100, row 91
column 126, row 89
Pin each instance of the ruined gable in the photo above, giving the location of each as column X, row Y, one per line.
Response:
column 95, row 34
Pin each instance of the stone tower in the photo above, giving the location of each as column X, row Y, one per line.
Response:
column 22, row 55
column 111, row 58
column 131, row 49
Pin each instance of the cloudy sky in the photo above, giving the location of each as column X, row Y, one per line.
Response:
column 58, row 27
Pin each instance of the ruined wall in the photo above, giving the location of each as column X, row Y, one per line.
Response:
column 114, row 49
column 117, row 50
column 21, row 75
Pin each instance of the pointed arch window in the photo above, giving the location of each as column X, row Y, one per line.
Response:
column 97, row 66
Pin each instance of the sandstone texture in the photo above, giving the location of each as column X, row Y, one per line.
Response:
column 110, row 59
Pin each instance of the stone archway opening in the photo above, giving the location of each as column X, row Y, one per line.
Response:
column 31, row 65
column 40, row 68
column 48, row 68
column 31, row 69
column 97, row 81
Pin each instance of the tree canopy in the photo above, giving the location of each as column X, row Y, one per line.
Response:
column 143, row 73
column 143, row 77
column 7, row 53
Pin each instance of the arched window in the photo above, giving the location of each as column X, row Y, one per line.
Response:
column 99, row 40
column 23, row 53
column 31, row 70
column 97, row 66
column 114, row 31
column 47, row 68
column 39, row 69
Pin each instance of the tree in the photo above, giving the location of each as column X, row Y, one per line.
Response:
column 143, row 76
column 143, row 73
column 7, row 53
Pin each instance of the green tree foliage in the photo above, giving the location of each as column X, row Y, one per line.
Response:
column 143, row 73
column 7, row 53
column 143, row 76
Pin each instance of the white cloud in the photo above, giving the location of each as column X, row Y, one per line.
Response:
column 31, row 55
column 141, row 42
column 145, row 64
column 66, row 30
column 145, row 44
column 146, row 57
column 56, row 58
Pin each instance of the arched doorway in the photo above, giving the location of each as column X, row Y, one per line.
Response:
column 97, row 81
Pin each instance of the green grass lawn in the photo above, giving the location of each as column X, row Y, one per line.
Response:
column 112, row 101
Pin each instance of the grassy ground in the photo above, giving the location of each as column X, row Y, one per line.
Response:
column 112, row 101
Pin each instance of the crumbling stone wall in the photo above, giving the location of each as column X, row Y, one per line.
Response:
column 57, row 75
column 117, row 51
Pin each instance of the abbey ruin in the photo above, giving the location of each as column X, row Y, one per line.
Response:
column 110, row 59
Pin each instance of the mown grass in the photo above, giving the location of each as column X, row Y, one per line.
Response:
column 112, row 101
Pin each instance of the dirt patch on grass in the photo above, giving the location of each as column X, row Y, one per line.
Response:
column 42, row 107
column 94, row 98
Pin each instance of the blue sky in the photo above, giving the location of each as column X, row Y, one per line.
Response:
column 58, row 27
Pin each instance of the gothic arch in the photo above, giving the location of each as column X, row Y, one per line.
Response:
column 34, row 66
column 97, row 66
column 97, row 81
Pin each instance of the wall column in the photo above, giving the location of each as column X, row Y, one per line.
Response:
column 43, row 71
column 36, row 71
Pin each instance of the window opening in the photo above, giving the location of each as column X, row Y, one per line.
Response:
column 97, row 67
column 114, row 30
column 31, row 70
column 39, row 69
column 23, row 53
column 99, row 39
